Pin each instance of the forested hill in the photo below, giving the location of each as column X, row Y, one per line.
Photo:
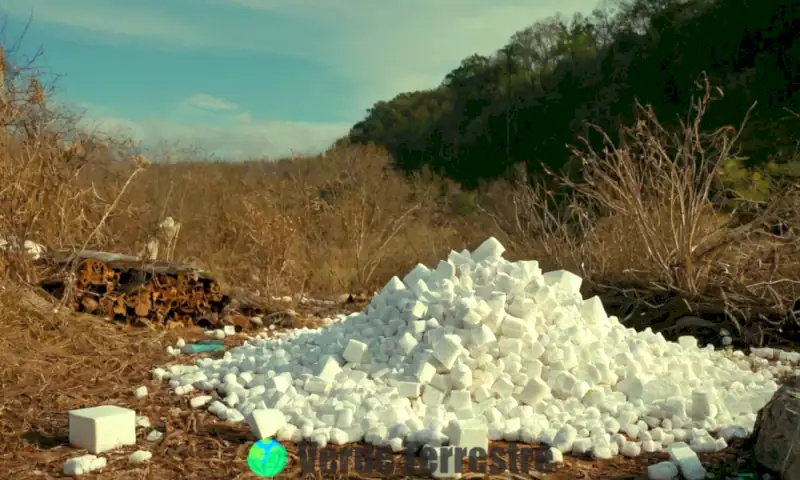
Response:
column 534, row 96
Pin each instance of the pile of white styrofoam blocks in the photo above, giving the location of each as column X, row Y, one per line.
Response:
column 476, row 349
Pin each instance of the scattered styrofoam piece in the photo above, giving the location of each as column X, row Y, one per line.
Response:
column 662, row 471
column 33, row 249
column 103, row 428
column 142, row 421
column 200, row 401
column 687, row 461
column 83, row 465
column 217, row 333
column 140, row 456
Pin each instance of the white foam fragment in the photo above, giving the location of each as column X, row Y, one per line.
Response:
column 478, row 349
column 33, row 249
column 662, row 471
column 687, row 461
column 140, row 456
column 142, row 421
column 83, row 465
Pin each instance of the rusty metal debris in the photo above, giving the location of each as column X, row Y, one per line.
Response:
column 160, row 294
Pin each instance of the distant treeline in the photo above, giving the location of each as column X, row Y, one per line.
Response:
column 532, row 98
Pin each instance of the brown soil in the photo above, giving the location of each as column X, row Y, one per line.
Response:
column 55, row 363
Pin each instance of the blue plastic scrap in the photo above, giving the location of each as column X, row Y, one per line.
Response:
column 203, row 347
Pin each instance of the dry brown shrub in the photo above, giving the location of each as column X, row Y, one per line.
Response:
column 47, row 167
column 667, row 224
column 374, row 223
column 651, row 214
column 336, row 222
column 655, row 191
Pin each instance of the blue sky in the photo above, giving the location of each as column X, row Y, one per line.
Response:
column 255, row 77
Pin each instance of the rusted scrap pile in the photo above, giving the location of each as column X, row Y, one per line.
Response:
column 155, row 293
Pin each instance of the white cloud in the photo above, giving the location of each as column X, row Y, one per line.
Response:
column 204, row 101
column 238, row 138
column 383, row 47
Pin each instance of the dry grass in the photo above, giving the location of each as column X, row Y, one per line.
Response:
column 652, row 220
column 642, row 217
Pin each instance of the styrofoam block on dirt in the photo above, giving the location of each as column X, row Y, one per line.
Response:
column 32, row 248
column 140, row 456
column 730, row 433
column 265, row 423
column 218, row 333
column 142, row 421
column 229, row 330
column 687, row 461
column 631, row 449
column 83, row 465
column 602, row 451
column 200, row 401
column 662, row 471
column 555, row 455
column 103, row 428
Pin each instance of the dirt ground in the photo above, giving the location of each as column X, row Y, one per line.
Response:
column 53, row 363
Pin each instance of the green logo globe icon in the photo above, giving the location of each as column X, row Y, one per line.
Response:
column 267, row 458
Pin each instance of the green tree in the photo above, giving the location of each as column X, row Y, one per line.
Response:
column 535, row 95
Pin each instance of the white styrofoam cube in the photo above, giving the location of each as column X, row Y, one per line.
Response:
column 327, row 368
column 490, row 248
column 565, row 280
column 662, row 471
column 470, row 434
column 103, row 428
column 265, row 422
column 687, row 461
column 355, row 351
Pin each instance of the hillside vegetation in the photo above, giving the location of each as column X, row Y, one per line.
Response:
column 535, row 95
